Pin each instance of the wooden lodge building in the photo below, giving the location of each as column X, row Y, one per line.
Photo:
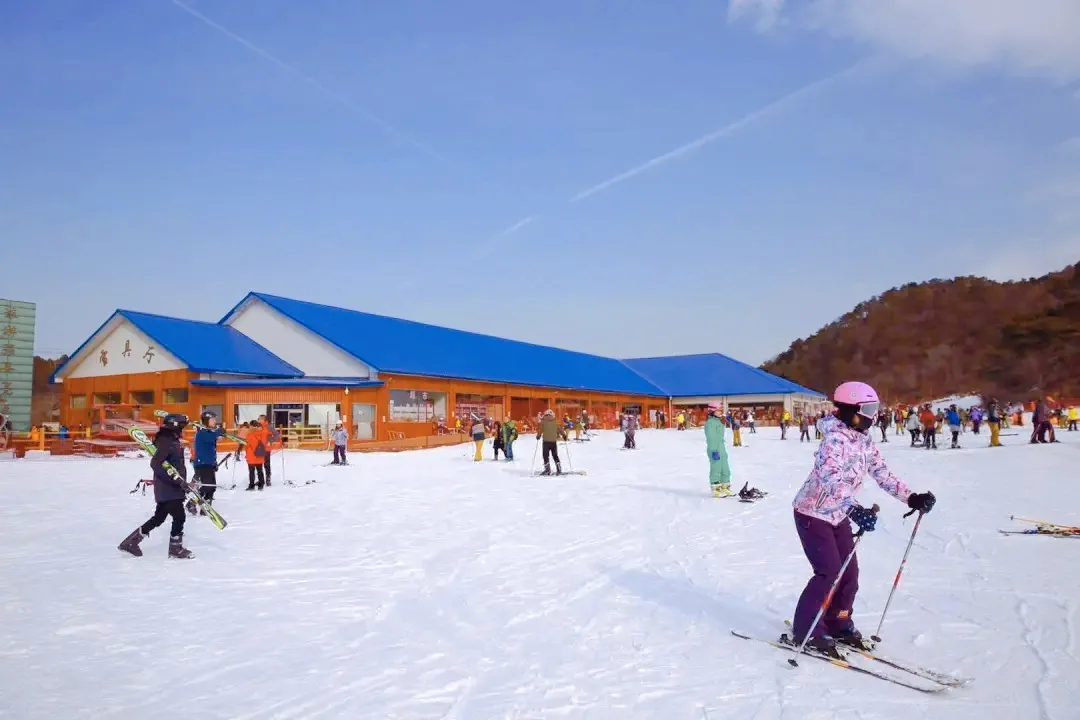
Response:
column 391, row 381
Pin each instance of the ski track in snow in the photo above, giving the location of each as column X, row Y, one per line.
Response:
column 421, row 585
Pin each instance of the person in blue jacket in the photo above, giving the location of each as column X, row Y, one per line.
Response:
column 205, row 459
column 168, row 493
column 952, row 419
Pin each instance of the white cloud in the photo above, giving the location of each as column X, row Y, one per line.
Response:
column 1034, row 37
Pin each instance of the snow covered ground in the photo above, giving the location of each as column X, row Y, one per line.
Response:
column 422, row 585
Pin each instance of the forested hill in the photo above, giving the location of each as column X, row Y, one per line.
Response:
column 936, row 338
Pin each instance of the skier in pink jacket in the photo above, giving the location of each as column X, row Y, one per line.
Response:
column 825, row 507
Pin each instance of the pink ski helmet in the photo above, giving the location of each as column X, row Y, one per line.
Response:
column 860, row 395
column 714, row 407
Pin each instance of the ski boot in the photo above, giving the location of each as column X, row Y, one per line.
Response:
column 131, row 542
column 558, row 468
column 722, row 490
column 251, row 486
column 853, row 638
column 177, row 549
column 191, row 508
column 822, row 645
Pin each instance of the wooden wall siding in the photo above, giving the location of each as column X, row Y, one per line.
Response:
column 123, row 384
column 271, row 395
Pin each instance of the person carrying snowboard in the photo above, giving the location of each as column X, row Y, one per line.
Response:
column 205, row 460
column 340, row 438
column 549, row 433
column 719, row 470
column 825, row 507
column 169, row 494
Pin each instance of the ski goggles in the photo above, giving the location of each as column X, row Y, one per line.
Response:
column 869, row 409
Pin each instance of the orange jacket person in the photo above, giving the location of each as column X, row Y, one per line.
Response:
column 929, row 421
column 255, row 451
column 270, row 438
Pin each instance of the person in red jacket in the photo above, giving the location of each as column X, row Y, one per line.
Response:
column 255, row 452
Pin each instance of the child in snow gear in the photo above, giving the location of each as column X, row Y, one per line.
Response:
column 719, row 470
column 549, row 433
column 497, row 440
column 479, row 433
column 629, row 428
column 205, row 459
column 825, row 507
column 255, row 454
column 751, row 422
column 510, row 434
column 804, row 428
column 340, row 438
column 952, row 419
column 168, row 493
column 736, row 426
column 912, row 424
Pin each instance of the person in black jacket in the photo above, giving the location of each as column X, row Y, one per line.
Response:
column 168, row 492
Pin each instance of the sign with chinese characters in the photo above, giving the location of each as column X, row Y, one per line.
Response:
column 17, row 321
column 122, row 350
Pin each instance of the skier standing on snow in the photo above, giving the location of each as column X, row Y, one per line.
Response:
column 255, row 454
column 883, row 424
column 825, row 507
column 993, row 419
column 952, row 419
column 804, row 428
column 719, row 470
column 168, row 493
column 270, row 436
column 913, row 425
column 751, row 423
column 497, row 440
column 629, row 426
column 205, row 459
column 550, row 432
column 340, row 438
column 929, row 424
column 479, row 433
column 510, row 434
column 976, row 416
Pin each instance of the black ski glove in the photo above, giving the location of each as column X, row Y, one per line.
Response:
column 921, row 502
column 865, row 518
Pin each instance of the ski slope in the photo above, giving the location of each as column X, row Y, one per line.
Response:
column 423, row 585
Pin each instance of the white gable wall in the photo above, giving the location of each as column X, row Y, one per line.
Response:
column 125, row 348
column 294, row 343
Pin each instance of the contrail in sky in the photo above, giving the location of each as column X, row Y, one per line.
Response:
column 717, row 134
column 333, row 95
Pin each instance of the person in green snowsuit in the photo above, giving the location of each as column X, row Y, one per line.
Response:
column 510, row 434
column 719, row 470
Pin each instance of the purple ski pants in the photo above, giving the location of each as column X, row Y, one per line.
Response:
column 826, row 548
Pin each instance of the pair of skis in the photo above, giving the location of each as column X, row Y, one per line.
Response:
column 193, row 494
column 940, row 681
column 1043, row 527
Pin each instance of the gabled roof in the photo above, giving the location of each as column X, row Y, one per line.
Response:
column 711, row 375
column 201, row 346
column 402, row 346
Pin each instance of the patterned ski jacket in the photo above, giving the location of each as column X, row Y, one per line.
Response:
column 841, row 462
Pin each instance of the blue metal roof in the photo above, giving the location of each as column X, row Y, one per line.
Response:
column 711, row 375
column 202, row 346
column 292, row 382
column 402, row 346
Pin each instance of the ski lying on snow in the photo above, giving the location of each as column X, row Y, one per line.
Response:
column 1049, row 532
column 144, row 442
column 845, row 664
column 926, row 674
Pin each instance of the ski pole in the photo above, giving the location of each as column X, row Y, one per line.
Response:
column 876, row 637
column 832, row 591
column 1040, row 522
column 532, row 465
column 569, row 460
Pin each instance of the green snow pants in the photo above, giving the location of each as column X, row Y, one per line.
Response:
column 719, row 471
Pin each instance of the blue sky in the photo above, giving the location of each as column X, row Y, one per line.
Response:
column 621, row 178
